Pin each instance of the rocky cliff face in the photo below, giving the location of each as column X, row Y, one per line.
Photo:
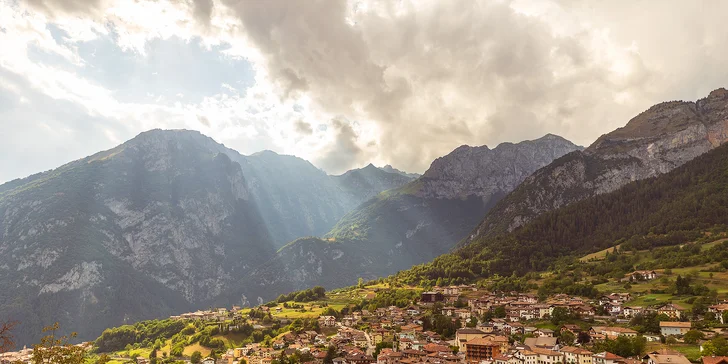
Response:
column 411, row 224
column 162, row 221
column 655, row 142
column 482, row 172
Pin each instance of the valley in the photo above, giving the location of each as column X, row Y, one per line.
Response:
column 171, row 221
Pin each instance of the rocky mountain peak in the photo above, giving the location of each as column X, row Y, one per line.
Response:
column 719, row 94
column 266, row 153
column 162, row 137
column 482, row 171
column 390, row 169
column 685, row 120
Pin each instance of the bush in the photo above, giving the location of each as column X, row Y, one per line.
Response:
column 693, row 336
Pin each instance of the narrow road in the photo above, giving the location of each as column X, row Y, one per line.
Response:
column 370, row 344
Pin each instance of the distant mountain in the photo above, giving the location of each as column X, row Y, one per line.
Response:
column 390, row 169
column 297, row 199
column 167, row 221
column 364, row 183
column 655, row 142
column 411, row 224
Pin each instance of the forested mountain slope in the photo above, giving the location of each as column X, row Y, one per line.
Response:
column 670, row 209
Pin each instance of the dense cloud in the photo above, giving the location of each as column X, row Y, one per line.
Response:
column 344, row 152
column 434, row 75
column 404, row 82
column 69, row 7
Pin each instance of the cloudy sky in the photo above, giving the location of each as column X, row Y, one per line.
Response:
column 342, row 83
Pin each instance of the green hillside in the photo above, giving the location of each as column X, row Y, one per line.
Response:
column 671, row 209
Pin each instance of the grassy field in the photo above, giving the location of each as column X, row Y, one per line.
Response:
column 707, row 246
column 692, row 352
column 196, row 347
column 232, row 340
column 598, row 255
column 310, row 310
column 708, row 275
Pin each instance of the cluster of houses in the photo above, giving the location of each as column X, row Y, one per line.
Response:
column 217, row 314
column 25, row 355
column 359, row 332
column 524, row 307
column 615, row 304
column 399, row 337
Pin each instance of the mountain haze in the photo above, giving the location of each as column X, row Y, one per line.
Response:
column 297, row 199
column 165, row 222
column 411, row 224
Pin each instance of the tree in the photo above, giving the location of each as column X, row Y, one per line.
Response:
column 567, row 338
column 720, row 345
column 692, row 336
column 57, row 350
column 330, row 355
column 559, row 315
column 360, row 282
column 6, row 337
column 103, row 359
column 583, row 337
column 382, row 345
column 725, row 317
column 153, row 356
column 196, row 357
column 708, row 349
column 500, row 311
column 623, row 346
column 473, row 321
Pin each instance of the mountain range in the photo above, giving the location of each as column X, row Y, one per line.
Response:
column 172, row 220
column 658, row 140
column 681, row 208
column 165, row 222
column 411, row 224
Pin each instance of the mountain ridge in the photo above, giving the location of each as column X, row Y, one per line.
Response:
column 654, row 142
column 680, row 206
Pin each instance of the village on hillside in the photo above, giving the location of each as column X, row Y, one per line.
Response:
column 463, row 324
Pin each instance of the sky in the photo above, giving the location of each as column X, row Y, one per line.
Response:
column 342, row 83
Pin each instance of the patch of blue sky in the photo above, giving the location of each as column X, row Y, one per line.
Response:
column 171, row 70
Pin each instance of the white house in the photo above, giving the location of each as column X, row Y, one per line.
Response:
column 668, row 328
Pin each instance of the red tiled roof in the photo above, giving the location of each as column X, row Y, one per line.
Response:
column 715, row 360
